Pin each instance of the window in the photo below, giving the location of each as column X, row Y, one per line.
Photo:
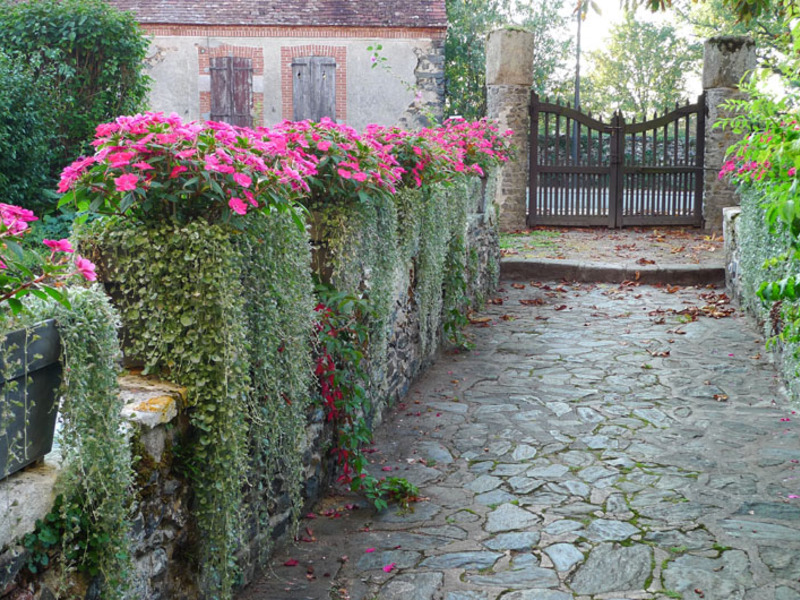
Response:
column 314, row 87
column 232, row 90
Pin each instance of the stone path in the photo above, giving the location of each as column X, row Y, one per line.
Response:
column 595, row 444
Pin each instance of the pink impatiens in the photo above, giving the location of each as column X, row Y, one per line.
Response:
column 214, row 171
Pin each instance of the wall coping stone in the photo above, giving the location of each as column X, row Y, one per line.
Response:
column 28, row 495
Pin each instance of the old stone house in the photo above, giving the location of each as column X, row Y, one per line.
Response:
column 257, row 62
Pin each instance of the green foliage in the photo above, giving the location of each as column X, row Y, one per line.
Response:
column 643, row 69
column 744, row 10
column 91, row 518
column 465, row 54
column 27, row 135
column 96, row 54
column 225, row 313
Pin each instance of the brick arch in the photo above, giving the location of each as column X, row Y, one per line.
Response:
column 338, row 53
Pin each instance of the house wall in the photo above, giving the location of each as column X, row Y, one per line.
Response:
column 178, row 64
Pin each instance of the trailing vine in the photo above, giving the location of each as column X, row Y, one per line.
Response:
column 89, row 522
column 342, row 342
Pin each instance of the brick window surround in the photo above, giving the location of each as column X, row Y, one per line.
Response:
column 205, row 54
column 338, row 53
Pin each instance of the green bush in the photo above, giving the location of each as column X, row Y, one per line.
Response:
column 26, row 134
column 96, row 53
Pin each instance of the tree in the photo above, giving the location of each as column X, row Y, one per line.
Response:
column 96, row 53
column 743, row 10
column 642, row 70
column 465, row 55
column 713, row 18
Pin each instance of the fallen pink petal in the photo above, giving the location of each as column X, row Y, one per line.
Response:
column 369, row 550
column 389, row 568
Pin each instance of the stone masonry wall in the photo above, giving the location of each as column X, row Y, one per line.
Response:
column 726, row 61
column 163, row 528
column 509, row 56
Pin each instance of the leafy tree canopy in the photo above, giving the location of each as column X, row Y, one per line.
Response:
column 472, row 20
column 641, row 70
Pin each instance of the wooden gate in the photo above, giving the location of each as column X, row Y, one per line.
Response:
column 584, row 172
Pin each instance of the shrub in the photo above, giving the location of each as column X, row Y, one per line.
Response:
column 96, row 53
column 26, row 134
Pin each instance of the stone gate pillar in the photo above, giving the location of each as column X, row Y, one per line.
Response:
column 726, row 60
column 509, row 76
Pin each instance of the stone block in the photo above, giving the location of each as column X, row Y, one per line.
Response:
column 150, row 402
column 726, row 60
column 25, row 497
column 509, row 57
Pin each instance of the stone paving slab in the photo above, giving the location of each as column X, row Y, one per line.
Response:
column 606, row 447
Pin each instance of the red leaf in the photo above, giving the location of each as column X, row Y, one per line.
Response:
column 292, row 562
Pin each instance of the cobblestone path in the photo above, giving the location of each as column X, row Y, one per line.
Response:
column 596, row 445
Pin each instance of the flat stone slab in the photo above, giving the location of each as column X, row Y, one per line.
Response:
column 536, row 595
column 564, row 556
column 523, row 541
column 403, row 559
column 725, row 578
column 532, row 577
column 612, row 568
column 412, row 586
column 603, row 530
column 462, row 560
column 421, row 511
column 509, row 517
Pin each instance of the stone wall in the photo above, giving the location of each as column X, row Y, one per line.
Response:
column 725, row 62
column 509, row 56
column 163, row 529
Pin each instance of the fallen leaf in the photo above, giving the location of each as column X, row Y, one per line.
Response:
column 671, row 289
column 721, row 397
column 562, row 307
column 645, row 261
column 479, row 320
column 507, row 318
column 292, row 562
column 496, row 301
column 531, row 302
column 518, row 286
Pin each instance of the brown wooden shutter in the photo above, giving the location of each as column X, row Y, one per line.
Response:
column 232, row 90
column 314, row 87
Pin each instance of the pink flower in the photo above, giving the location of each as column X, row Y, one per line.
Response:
column 791, row 172
column 389, row 568
column 126, row 183
column 324, row 145
column 119, row 159
column 177, row 171
column 344, row 173
column 238, row 206
column 142, row 165
column 242, row 179
column 59, row 245
column 86, row 268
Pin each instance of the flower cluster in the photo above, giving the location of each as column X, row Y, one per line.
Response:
column 153, row 166
column 18, row 279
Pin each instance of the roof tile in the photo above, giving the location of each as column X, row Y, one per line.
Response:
column 322, row 13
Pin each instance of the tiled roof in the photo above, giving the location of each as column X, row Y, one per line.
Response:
column 323, row 13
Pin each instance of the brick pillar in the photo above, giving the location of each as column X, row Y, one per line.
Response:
column 725, row 62
column 509, row 76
